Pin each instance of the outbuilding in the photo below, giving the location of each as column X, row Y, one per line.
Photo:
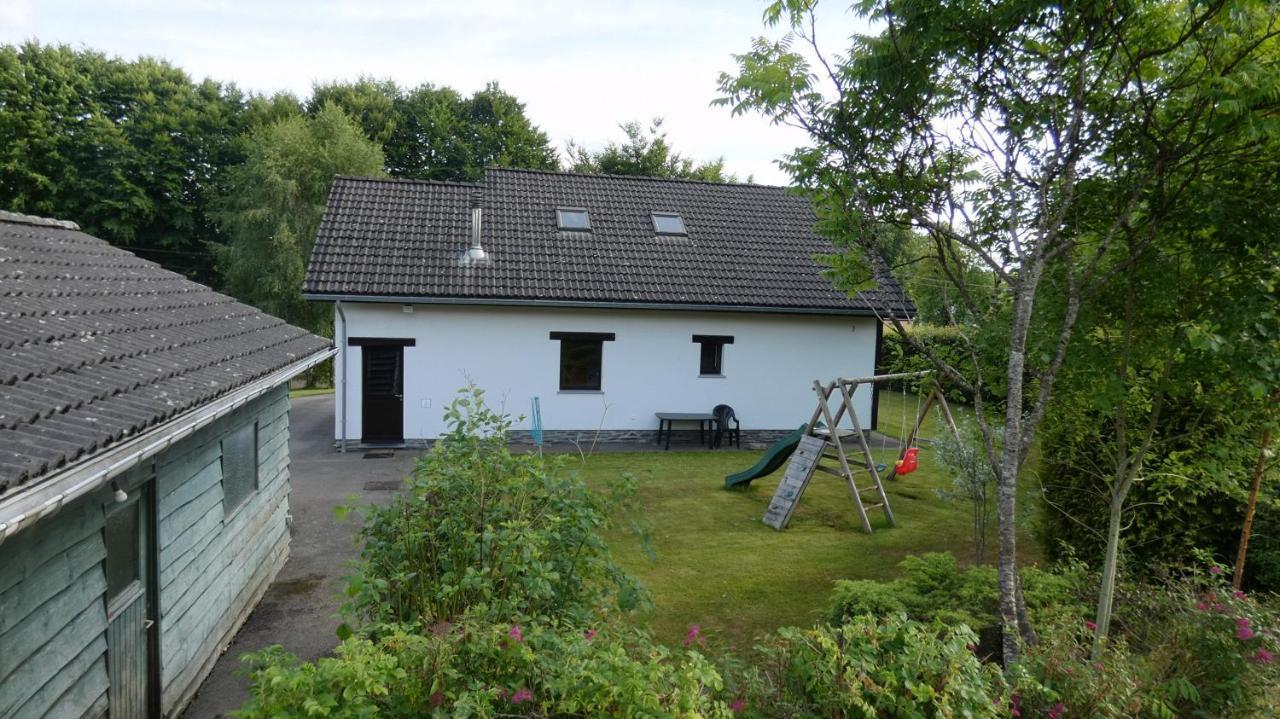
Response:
column 144, row 473
column 609, row 299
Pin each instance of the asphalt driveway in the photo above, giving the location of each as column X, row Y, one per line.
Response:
column 299, row 610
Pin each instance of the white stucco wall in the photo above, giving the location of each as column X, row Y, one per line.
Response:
column 651, row 366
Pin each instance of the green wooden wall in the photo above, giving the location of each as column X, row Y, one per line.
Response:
column 213, row 570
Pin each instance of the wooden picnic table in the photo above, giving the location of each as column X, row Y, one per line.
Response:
column 705, row 420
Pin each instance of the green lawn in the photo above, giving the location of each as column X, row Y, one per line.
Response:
column 717, row 565
column 296, row 393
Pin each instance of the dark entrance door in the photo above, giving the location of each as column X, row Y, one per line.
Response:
column 131, row 632
column 382, row 416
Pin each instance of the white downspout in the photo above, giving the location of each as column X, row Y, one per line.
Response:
column 341, row 379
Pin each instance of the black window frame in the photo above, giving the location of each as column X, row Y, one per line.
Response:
column 590, row 344
column 586, row 216
column 240, row 480
column 684, row 229
column 711, row 347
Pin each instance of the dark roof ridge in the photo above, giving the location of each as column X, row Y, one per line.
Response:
column 18, row 218
column 610, row 176
column 411, row 181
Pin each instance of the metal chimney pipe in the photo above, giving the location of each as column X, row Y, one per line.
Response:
column 475, row 254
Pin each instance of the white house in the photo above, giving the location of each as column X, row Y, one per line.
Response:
column 608, row 298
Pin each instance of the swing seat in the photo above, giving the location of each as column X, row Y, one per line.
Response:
column 909, row 462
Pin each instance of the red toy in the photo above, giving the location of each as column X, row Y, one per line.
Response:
column 909, row 462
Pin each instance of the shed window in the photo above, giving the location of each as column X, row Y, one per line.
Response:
column 239, row 467
column 123, row 562
column 711, row 353
column 668, row 223
column 581, row 357
column 573, row 218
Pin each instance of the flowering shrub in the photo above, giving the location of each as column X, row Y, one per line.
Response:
column 1189, row 647
column 478, row 669
column 478, row 530
column 887, row 667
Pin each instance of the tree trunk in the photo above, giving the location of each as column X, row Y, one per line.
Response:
column 1107, row 586
column 1258, row 470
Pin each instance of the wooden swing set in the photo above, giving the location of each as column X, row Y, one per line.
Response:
column 825, row 439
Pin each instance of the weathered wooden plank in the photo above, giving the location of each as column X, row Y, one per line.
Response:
column 224, row 606
column 28, row 636
column 174, row 527
column 189, row 487
column 193, row 580
column 86, row 697
column 87, row 670
column 84, row 633
column 179, row 689
column 47, row 580
column 48, row 539
column 197, row 614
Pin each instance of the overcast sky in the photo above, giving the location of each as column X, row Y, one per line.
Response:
column 580, row 67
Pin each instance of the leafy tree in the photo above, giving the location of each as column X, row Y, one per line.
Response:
column 274, row 203
column 645, row 154
column 131, row 150
column 1050, row 142
column 435, row 133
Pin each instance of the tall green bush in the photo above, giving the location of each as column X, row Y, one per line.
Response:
column 480, row 531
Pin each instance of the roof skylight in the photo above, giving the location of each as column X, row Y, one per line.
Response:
column 573, row 218
column 668, row 223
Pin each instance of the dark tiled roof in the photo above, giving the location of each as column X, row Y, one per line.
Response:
column 97, row 345
column 747, row 245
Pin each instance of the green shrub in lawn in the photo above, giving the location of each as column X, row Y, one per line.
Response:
column 483, row 669
column 480, row 531
column 936, row 587
column 875, row 667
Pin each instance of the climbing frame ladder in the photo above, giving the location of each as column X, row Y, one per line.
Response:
column 824, row 439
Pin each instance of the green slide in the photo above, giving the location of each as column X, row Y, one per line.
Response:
column 774, row 457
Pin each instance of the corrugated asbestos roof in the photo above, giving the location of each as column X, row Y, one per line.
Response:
column 748, row 246
column 97, row 345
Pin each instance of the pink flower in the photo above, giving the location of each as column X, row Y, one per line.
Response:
column 737, row 705
column 1201, row 606
column 515, row 633
column 1264, row 657
column 1238, row 594
column 1219, row 607
column 1056, row 711
column 1098, row 665
column 1243, row 631
column 1215, row 569
column 1093, row 627
column 590, row 634
column 1015, row 705
column 524, row 695
column 694, row 636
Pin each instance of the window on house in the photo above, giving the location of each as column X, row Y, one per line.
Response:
column 668, row 223
column 572, row 218
column 711, row 354
column 581, row 356
column 239, row 467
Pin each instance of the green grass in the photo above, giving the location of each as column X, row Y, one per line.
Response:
column 717, row 565
column 296, row 393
